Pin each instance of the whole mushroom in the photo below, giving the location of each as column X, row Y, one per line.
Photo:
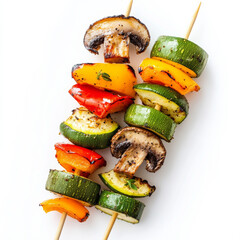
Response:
column 116, row 33
column 133, row 145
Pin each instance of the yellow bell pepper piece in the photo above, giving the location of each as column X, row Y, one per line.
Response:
column 119, row 78
column 188, row 71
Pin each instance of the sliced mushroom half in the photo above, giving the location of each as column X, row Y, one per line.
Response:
column 133, row 145
column 116, row 33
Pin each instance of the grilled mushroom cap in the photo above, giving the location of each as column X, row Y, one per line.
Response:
column 133, row 145
column 116, row 32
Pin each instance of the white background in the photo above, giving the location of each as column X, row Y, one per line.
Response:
column 197, row 194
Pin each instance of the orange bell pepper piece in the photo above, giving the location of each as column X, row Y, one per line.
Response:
column 159, row 72
column 78, row 159
column 72, row 207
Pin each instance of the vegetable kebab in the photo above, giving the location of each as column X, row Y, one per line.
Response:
column 101, row 89
column 105, row 88
column 168, row 75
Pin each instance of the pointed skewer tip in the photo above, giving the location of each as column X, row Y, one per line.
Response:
column 192, row 22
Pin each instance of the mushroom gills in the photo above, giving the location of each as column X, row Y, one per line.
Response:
column 120, row 148
column 117, row 32
column 152, row 162
column 131, row 160
column 116, row 49
column 133, row 145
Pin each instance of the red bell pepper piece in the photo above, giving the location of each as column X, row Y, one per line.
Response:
column 79, row 160
column 100, row 102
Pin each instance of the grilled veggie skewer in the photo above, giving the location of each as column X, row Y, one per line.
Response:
column 131, row 143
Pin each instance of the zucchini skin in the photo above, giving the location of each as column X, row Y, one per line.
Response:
column 149, row 118
column 181, row 51
column 73, row 186
column 166, row 92
column 121, row 204
column 92, row 141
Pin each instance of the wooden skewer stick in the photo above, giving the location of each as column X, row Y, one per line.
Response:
column 129, row 8
column 157, row 107
column 110, row 225
column 115, row 214
column 193, row 21
column 60, row 226
column 77, row 172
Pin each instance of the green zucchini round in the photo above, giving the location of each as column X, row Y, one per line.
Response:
column 171, row 103
column 134, row 187
column 151, row 119
column 73, row 186
column 182, row 51
column 128, row 209
column 76, row 129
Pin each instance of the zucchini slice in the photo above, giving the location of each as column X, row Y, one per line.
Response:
column 189, row 57
column 73, row 186
column 85, row 129
column 133, row 187
column 169, row 101
column 151, row 119
column 128, row 209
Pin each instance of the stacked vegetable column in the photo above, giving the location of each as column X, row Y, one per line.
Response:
column 168, row 75
column 116, row 33
column 101, row 89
